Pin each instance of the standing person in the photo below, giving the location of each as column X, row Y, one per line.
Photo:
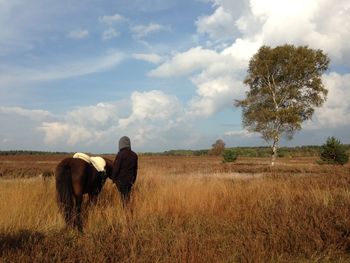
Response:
column 125, row 169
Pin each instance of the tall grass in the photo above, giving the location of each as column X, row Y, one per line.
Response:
column 175, row 217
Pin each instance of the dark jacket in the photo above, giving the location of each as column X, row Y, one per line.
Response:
column 125, row 167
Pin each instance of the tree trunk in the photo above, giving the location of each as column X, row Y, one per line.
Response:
column 274, row 150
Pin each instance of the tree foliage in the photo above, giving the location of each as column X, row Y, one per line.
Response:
column 333, row 152
column 284, row 87
column 218, row 147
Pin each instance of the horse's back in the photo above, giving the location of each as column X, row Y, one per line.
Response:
column 79, row 172
column 76, row 169
column 73, row 164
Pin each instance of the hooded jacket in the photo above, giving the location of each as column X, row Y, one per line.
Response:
column 125, row 164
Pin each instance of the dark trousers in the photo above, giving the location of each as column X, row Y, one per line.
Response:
column 125, row 191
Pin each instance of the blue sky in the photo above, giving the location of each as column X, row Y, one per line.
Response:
column 78, row 75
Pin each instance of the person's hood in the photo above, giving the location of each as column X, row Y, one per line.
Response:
column 124, row 142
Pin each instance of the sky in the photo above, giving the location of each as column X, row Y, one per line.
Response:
column 78, row 75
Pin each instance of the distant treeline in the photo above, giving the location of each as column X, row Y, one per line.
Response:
column 20, row 152
column 298, row 151
column 178, row 153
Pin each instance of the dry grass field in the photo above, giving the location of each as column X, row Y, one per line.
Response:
column 184, row 209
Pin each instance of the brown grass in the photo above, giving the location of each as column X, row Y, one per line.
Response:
column 186, row 210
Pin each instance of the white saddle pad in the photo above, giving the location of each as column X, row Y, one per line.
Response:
column 98, row 162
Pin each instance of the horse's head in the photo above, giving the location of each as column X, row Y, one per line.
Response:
column 104, row 175
column 109, row 168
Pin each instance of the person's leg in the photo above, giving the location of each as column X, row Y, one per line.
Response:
column 125, row 194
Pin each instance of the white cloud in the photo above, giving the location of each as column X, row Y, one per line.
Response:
column 155, row 120
column 185, row 63
column 310, row 23
column 85, row 124
column 82, row 125
column 113, row 19
column 57, row 132
column 240, row 133
column 153, row 58
column 78, row 34
column 145, row 117
column 219, row 25
column 231, row 60
column 109, row 34
column 32, row 114
column 18, row 127
column 214, row 94
column 320, row 24
column 336, row 110
column 242, row 50
column 218, row 75
column 151, row 106
column 14, row 76
column 96, row 115
column 141, row 31
column 298, row 22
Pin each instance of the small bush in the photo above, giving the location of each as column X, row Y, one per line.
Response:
column 333, row 152
column 229, row 156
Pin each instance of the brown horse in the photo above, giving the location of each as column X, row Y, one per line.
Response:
column 74, row 178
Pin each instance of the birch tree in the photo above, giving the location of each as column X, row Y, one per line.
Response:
column 285, row 86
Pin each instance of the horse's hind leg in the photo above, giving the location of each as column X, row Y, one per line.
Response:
column 78, row 223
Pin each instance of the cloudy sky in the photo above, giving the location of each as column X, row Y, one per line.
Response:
column 78, row 75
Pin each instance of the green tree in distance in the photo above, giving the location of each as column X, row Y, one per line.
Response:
column 333, row 152
column 229, row 156
column 284, row 87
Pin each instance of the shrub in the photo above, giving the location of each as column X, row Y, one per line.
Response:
column 333, row 152
column 229, row 156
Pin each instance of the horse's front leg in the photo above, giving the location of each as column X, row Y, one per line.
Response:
column 95, row 192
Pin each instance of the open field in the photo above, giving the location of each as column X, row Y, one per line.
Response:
column 184, row 209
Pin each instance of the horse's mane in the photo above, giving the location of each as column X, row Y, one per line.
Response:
column 108, row 161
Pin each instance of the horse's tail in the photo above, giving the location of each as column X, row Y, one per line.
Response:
column 64, row 191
